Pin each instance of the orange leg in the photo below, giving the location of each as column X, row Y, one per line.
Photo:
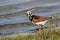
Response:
column 39, row 28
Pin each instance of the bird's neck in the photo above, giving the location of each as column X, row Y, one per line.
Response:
column 31, row 18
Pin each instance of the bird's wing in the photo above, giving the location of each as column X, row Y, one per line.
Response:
column 38, row 18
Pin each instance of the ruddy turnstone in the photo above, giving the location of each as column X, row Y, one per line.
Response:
column 38, row 20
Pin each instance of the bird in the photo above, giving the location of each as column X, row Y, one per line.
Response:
column 38, row 20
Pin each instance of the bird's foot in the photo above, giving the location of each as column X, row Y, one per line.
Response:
column 39, row 28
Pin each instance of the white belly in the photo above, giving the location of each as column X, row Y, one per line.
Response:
column 42, row 23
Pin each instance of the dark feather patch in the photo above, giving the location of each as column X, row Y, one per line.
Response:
column 36, row 18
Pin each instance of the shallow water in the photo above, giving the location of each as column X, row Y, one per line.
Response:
column 13, row 14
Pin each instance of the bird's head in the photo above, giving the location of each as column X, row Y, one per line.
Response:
column 29, row 13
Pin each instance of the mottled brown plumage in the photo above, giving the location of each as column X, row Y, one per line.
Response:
column 38, row 18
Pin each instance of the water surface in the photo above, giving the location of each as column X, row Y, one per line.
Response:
column 13, row 17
